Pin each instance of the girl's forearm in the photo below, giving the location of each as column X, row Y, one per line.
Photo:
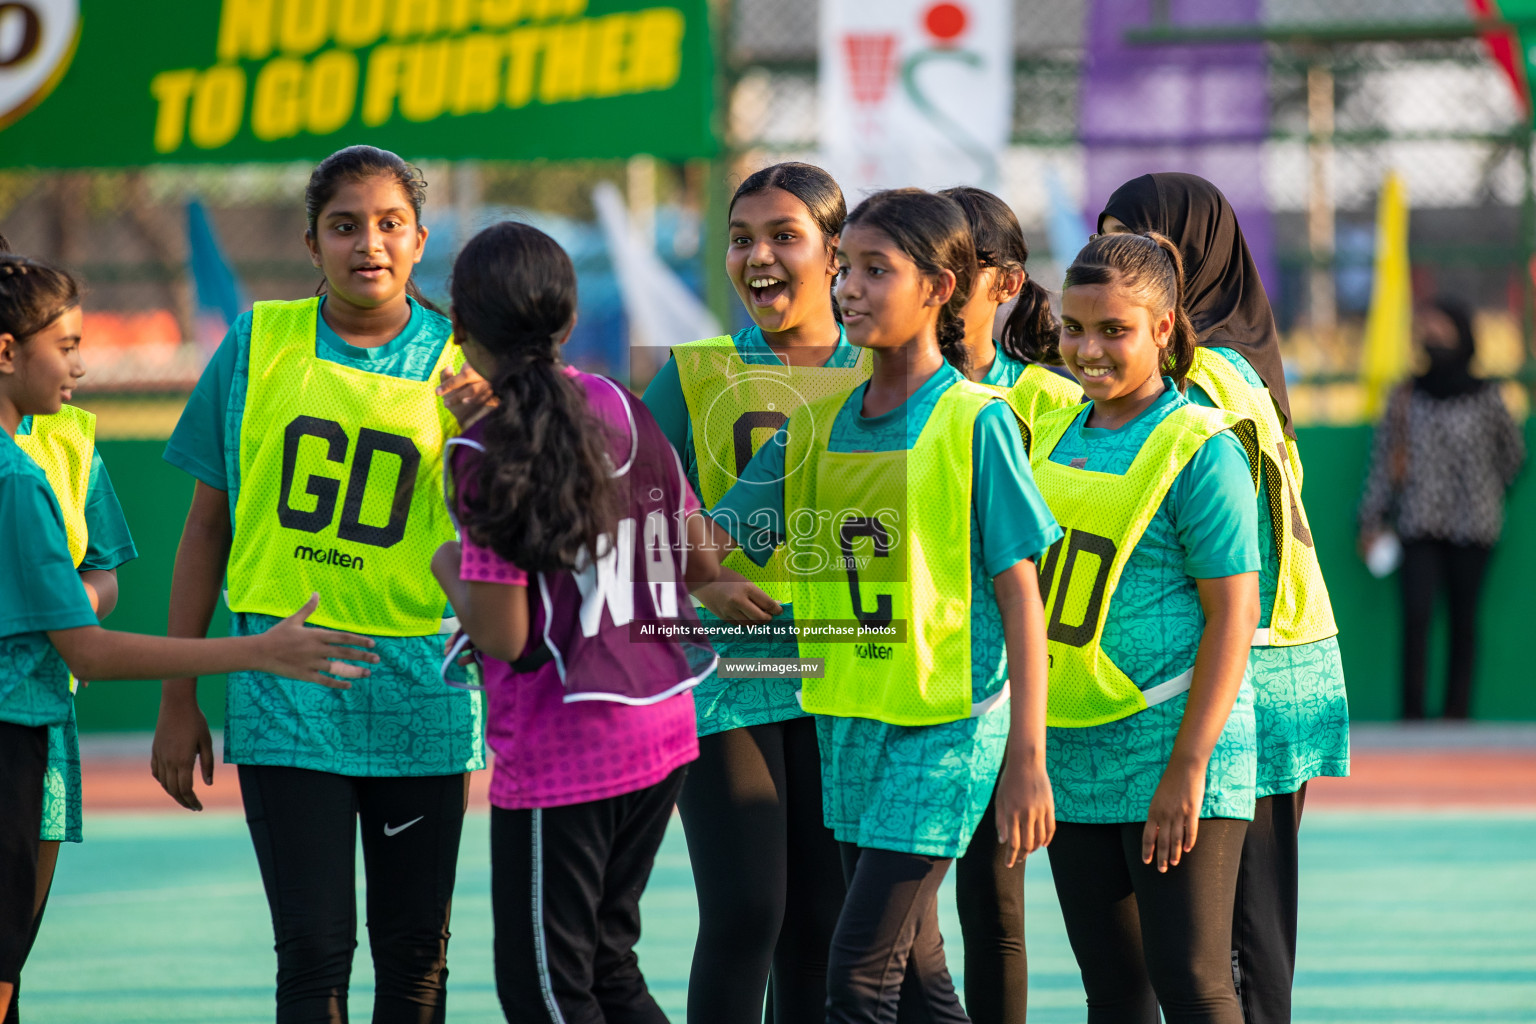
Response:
column 196, row 580
column 1232, row 614
column 1018, row 600
column 97, row 654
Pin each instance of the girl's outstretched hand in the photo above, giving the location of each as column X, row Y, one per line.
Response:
column 1173, row 820
column 295, row 651
column 1026, row 809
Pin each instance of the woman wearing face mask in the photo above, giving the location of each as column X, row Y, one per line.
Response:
column 1445, row 453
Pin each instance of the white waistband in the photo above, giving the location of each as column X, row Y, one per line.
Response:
column 1261, row 637
column 1169, row 690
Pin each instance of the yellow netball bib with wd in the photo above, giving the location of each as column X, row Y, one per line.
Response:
column 1302, row 613
column 1104, row 516
column 736, row 406
column 883, row 538
column 339, row 485
column 1038, row 391
column 62, row 444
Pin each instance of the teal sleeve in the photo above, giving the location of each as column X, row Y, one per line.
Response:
column 1214, row 511
column 752, row 511
column 197, row 443
column 109, row 543
column 44, row 591
column 664, row 397
column 1014, row 521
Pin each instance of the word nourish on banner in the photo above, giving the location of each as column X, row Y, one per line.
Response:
column 423, row 59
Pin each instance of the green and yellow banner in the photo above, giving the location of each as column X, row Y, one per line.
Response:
column 102, row 83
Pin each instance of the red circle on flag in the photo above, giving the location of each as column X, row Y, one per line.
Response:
column 945, row 21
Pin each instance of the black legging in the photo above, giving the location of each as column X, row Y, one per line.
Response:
column 990, row 897
column 1264, row 913
column 304, row 825
column 1429, row 565
column 887, row 963
column 1144, row 939
column 766, row 869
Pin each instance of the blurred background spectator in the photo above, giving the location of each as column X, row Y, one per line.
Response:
column 1445, row 452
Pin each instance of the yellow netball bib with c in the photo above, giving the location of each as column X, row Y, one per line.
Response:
column 63, row 444
column 1104, row 515
column 883, row 539
column 339, row 485
column 736, row 406
column 1302, row 613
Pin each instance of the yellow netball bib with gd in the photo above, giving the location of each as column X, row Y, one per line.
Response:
column 883, row 539
column 1104, row 515
column 1302, row 613
column 339, row 485
column 1036, row 392
column 63, row 444
column 736, row 406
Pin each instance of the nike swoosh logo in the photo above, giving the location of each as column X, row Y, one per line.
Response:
column 400, row 828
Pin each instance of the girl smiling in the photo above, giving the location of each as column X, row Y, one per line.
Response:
column 1152, row 598
column 873, row 494
column 764, row 865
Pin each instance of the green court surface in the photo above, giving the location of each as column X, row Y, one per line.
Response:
column 1428, row 919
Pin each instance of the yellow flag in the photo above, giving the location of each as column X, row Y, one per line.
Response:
column 1387, row 354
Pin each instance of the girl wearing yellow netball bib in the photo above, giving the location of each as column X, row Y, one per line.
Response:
column 909, row 521
column 317, row 442
column 63, row 445
column 989, row 890
column 48, row 622
column 1300, row 707
column 765, row 866
column 1151, row 602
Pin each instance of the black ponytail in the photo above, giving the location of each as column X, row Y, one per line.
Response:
column 543, row 498
column 1151, row 266
column 359, row 163
column 932, row 231
column 1031, row 334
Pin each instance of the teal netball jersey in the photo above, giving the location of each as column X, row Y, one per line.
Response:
column 42, row 593
column 1206, row 528
column 723, row 704
column 1300, row 706
column 401, row 720
column 1004, row 372
column 918, row 790
column 109, row 544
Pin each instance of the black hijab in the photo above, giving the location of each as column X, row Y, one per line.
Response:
column 1223, row 294
column 1450, row 369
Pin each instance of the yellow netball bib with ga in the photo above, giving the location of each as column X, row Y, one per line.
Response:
column 1104, row 516
column 883, row 539
column 1036, row 392
column 339, row 485
column 63, row 444
column 1302, row 613
column 736, row 406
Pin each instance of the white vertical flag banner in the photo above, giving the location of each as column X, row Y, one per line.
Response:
column 915, row 92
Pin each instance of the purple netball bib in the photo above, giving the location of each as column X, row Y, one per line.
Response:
column 589, row 617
